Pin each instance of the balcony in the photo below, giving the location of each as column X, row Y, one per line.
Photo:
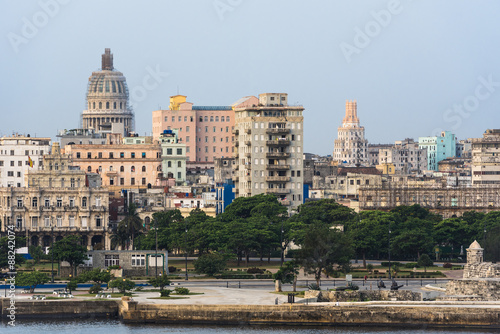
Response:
column 277, row 131
column 248, row 154
column 285, row 202
column 70, row 208
column 18, row 208
column 237, row 143
column 279, row 191
column 277, row 167
column 98, row 208
column 277, row 155
column 281, row 142
column 248, row 131
column 248, row 142
column 236, row 131
column 277, row 178
column 47, row 208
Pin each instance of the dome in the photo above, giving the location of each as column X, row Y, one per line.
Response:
column 107, row 99
column 475, row 245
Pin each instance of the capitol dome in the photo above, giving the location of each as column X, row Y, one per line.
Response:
column 107, row 100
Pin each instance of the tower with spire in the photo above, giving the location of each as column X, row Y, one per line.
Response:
column 350, row 147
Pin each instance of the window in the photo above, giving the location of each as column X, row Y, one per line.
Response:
column 71, row 221
column 206, row 128
column 222, row 118
column 169, row 164
column 34, row 202
column 206, row 118
column 122, row 154
column 84, row 221
column 132, row 181
column 169, row 151
column 132, row 169
column 84, row 202
column 227, row 118
column 10, row 173
column 78, row 155
column 173, row 118
column 98, row 221
column 143, row 154
column 179, row 164
column 122, row 181
column 19, row 202
column 298, row 173
column 47, row 203
column 211, row 118
column 187, row 139
column 34, row 221
column 59, row 221
column 143, row 168
column 59, row 202
column 47, row 222
column 138, row 260
column 187, row 128
column 132, row 155
column 89, row 155
column 71, row 202
column 179, row 175
column 12, row 165
column 98, row 201
column 72, row 182
column 143, row 181
column 122, row 169
column 111, row 260
column 179, row 151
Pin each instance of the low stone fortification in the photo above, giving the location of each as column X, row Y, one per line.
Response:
column 483, row 289
column 363, row 295
column 298, row 315
column 55, row 309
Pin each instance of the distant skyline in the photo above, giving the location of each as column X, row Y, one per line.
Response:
column 414, row 67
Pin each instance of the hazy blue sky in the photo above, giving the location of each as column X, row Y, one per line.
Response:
column 413, row 66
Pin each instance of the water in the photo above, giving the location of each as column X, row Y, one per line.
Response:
column 116, row 327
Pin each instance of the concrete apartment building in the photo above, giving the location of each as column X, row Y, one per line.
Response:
column 269, row 149
column 351, row 147
column 438, row 148
column 56, row 203
column 15, row 154
column 406, row 156
column 486, row 158
column 206, row 130
column 107, row 100
column 173, row 156
column 120, row 165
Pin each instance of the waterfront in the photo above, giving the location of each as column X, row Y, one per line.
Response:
column 115, row 326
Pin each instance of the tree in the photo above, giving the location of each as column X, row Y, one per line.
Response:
column 323, row 249
column 210, row 264
column 287, row 274
column 160, row 281
column 72, row 285
column 31, row 279
column 492, row 245
column 5, row 248
column 69, row 249
column 122, row 284
column 408, row 241
column 36, row 253
column 131, row 225
column 97, row 276
column 425, row 261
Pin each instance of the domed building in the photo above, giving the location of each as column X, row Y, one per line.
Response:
column 108, row 109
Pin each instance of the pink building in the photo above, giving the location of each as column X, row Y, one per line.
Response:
column 207, row 131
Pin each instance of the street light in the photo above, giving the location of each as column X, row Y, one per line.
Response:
column 185, row 250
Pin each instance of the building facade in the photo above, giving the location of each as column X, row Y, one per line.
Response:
column 485, row 158
column 269, row 149
column 107, row 100
column 173, row 156
column 56, row 203
column 406, row 156
column 351, row 147
column 438, row 148
column 15, row 155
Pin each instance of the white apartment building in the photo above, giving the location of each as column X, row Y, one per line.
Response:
column 269, row 149
column 486, row 158
column 173, row 156
column 406, row 156
column 15, row 155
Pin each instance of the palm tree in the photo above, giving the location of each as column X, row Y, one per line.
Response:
column 131, row 224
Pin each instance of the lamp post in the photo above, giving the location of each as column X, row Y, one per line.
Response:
column 281, row 245
column 5, row 287
column 52, row 252
column 156, row 250
column 389, row 250
column 185, row 250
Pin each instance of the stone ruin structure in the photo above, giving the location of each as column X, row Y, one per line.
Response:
column 481, row 280
column 475, row 267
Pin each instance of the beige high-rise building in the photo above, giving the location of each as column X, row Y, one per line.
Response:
column 269, row 149
column 56, row 203
column 107, row 100
column 351, row 146
column 486, row 158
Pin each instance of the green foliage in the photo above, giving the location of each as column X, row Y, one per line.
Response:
column 36, row 253
column 129, row 228
column 69, row 249
column 5, row 247
column 97, row 275
column 255, row 271
column 31, row 279
column 425, row 261
column 369, row 266
column 72, row 285
column 287, row 273
column 96, row 288
column 122, row 284
column 181, row 291
column 210, row 264
column 160, row 281
column 113, row 267
column 492, row 244
column 447, row 265
column 411, row 265
column 314, row 286
column 165, row 293
column 172, row 269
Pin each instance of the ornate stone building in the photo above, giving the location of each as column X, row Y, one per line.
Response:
column 107, row 100
column 351, row 146
column 56, row 203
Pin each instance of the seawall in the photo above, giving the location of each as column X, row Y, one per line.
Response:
column 294, row 314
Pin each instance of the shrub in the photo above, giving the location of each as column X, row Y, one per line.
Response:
column 313, row 286
column 411, row 265
column 375, row 271
column 210, row 264
column 114, row 267
column 139, row 288
column 172, row 269
column 165, row 293
column 255, row 271
column 393, row 263
column 96, row 288
column 369, row 267
column 447, row 265
column 182, row 291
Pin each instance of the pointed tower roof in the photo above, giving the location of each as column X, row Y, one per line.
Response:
column 475, row 245
column 351, row 113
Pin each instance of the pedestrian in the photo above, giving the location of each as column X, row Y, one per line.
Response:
column 366, row 277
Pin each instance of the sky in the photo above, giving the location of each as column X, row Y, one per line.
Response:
column 415, row 68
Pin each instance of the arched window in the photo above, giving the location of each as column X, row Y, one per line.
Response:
column 143, row 168
column 222, row 118
column 89, row 169
column 206, row 118
column 227, row 118
column 211, row 118
column 216, row 118
column 122, row 169
column 107, row 105
column 100, row 105
column 93, row 104
column 147, row 221
column 179, row 164
column 114, row 105
column 132, row 169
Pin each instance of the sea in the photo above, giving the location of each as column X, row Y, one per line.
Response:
column 117, row 327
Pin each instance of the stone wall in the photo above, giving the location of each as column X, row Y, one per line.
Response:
column 361, row 296
column 56, row 309
column 486, row 289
